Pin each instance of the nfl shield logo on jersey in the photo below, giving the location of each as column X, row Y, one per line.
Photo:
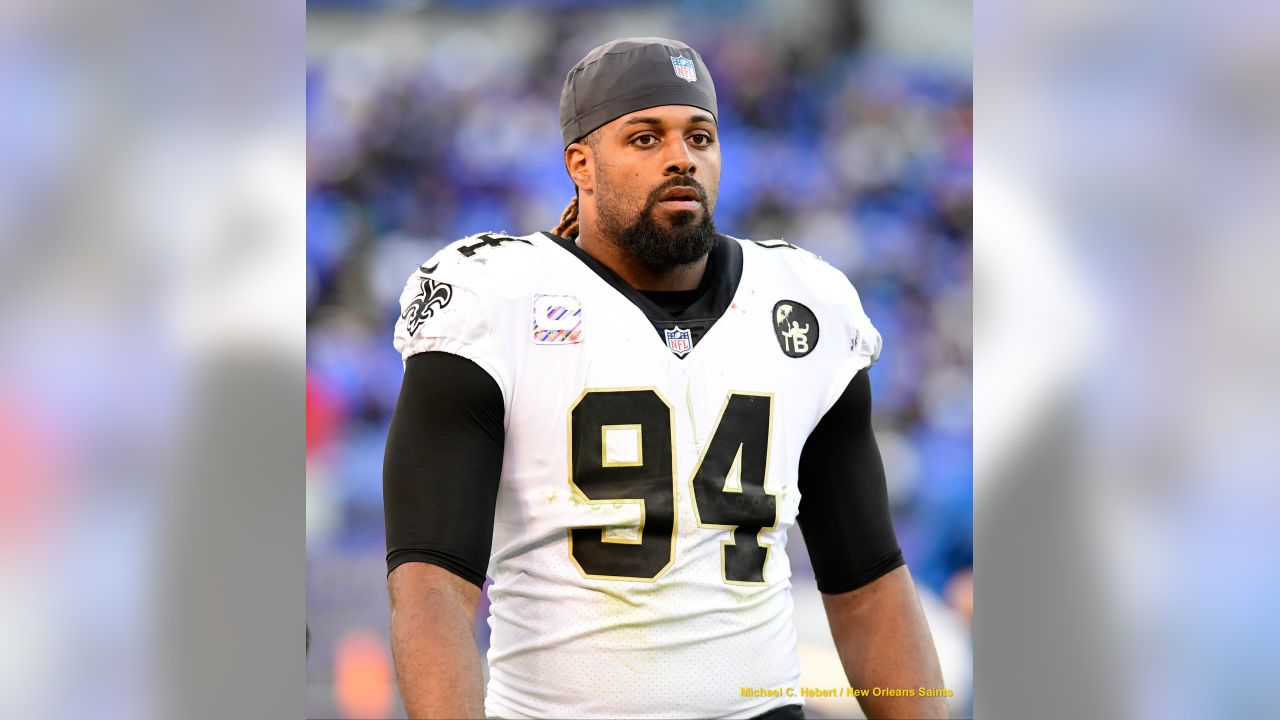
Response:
column 679, row 341
column 684, row 68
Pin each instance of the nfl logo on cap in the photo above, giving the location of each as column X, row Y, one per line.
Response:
column 679, row 341
column 684, row 68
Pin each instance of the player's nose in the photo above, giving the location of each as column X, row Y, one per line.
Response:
column 679, row 160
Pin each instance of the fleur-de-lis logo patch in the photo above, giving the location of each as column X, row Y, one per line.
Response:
column 434, row 296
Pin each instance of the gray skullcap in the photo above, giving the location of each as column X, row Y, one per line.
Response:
column 632, row 74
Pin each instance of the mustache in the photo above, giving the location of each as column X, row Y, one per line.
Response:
column 678, row 181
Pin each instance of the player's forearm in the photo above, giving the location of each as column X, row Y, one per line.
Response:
column 884, row 641
column 437, row 662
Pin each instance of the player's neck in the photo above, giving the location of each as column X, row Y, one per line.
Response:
column 681, row 277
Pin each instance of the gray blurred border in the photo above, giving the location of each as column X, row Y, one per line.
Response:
column 232, row 622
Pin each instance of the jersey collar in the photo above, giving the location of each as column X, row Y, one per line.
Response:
column 719, row 285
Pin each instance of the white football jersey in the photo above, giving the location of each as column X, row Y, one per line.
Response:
column 650, row 468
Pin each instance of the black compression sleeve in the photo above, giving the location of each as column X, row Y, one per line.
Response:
column 443, row 460
column 844, row 505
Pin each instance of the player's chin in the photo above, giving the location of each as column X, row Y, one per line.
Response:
column 682, row 218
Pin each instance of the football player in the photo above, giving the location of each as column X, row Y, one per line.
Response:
column 617, row 421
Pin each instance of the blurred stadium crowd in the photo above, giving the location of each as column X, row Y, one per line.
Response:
column 429, row 123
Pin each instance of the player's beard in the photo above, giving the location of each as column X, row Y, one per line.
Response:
column 658, row 246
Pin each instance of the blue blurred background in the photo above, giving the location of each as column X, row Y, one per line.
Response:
column 846, row 129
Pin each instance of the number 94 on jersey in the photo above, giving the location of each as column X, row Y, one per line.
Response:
column 622, row 449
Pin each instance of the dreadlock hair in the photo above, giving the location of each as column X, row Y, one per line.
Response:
column 568, row 227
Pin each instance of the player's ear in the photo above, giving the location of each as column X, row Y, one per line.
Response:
column 577, row 160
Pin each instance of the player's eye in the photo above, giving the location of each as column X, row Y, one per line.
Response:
column 646, row 140
column 701, row 139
